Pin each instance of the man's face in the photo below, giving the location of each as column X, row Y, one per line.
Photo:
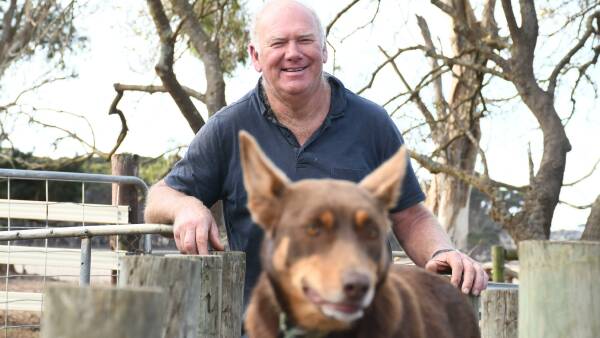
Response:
column 290, row 54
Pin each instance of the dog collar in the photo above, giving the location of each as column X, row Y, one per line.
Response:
column 288, row 330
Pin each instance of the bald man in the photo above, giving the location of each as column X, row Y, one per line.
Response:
column 310, row 126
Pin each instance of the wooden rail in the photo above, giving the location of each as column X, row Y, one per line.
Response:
column 64, row 211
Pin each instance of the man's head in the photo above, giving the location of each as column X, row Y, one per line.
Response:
column 288, row 47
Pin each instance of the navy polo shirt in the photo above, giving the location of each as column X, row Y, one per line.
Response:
column 355, row 138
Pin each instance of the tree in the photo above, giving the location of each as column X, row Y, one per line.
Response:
column 482, row 56
column 32, row 29
column 216, row 33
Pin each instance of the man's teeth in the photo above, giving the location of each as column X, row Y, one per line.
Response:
column 293, row 69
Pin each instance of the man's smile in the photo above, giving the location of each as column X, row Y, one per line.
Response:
column 294, row 69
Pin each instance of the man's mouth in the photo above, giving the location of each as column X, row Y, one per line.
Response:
column 294, row 69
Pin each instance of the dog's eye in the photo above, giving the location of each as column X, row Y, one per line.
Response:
column 369, row 231
column 313, row 229
column 372, row 232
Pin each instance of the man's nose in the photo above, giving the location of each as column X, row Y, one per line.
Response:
column 293, row 50
column 355, row 285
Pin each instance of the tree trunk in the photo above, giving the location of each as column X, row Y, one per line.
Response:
column 592, row 227
column 458, row 138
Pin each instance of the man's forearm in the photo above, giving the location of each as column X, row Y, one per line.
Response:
column 419, row 233
column 164, row 202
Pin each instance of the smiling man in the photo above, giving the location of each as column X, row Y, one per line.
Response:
column 311, row 126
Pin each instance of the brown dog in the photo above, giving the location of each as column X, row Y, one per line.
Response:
column 326, row 268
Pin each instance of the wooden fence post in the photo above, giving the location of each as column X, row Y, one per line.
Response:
column 232, row 293
column 499, row 313
column 126, row 194
column 559, row 289
column 195, row 287
column 90, row 312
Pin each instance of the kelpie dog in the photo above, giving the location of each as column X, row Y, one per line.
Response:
column 326, row 268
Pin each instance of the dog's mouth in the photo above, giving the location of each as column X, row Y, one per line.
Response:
column 346, row 311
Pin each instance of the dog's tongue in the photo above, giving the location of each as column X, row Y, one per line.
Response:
column 345, row 308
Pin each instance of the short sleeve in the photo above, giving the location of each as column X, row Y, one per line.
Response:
column 411, row 193
column 200, row 172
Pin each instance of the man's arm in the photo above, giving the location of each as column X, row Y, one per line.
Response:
column 420, row 234
column 193, row 224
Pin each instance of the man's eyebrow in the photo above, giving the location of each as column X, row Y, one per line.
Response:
column 309, row 35
column 276, row 39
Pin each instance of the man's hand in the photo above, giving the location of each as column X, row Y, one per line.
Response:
column 193, row 228
column 466, row 272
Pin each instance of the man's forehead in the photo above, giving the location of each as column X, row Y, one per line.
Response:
column 280, row 15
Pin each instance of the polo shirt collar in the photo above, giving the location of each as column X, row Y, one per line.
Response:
column 336, row 108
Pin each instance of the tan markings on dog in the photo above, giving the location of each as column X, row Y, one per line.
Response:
column 360, row 218
column 323, row 273
column 281, row 253
column 327, row 219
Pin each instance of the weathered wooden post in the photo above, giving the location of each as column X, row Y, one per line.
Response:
column 499, row 312
column 205, row 292
column 497, row 264
column 90, row 312
column 126, row 194
column 232, row 293
column 559, row 289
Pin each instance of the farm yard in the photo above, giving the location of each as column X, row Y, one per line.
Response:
column 122, row 157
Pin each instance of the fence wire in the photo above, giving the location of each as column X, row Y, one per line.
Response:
column 35, row 250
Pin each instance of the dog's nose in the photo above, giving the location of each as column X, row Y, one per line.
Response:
column 356, row 285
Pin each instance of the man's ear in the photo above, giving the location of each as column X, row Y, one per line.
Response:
column 384, row 183
column 265, row 184
column 253, row 52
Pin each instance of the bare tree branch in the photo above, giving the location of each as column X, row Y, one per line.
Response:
column 441, row 5
column 151, row 89
column 584, row 176
column 124, row 129
column 164, row 68
column 365, row 25
column 381, row 66
column 339, row 15
column 440, row 101
column 567, row 58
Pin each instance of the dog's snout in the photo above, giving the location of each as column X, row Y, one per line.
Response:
column 356, row 285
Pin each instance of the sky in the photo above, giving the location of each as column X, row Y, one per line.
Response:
column 122, row 48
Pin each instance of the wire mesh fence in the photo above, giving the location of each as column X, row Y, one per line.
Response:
column 54, row 229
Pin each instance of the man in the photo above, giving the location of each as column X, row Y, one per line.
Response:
column 311, row 127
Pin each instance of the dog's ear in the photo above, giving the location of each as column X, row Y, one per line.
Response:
column 384, row 183
column 264, row 182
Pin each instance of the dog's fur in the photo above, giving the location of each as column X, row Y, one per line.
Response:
column 326, row 265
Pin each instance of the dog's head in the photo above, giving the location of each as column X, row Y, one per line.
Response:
column 324, row 239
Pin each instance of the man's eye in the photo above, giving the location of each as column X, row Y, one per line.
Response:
column 313, row 230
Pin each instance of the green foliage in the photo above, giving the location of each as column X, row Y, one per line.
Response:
column 154, row 169
column 226, row 23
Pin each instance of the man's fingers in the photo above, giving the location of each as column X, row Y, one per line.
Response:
column 480, row 281
column 455, row 261
column 176, row 236
column 214, row 237
column 202, row 241
column 189, row 241
column 469, row 275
